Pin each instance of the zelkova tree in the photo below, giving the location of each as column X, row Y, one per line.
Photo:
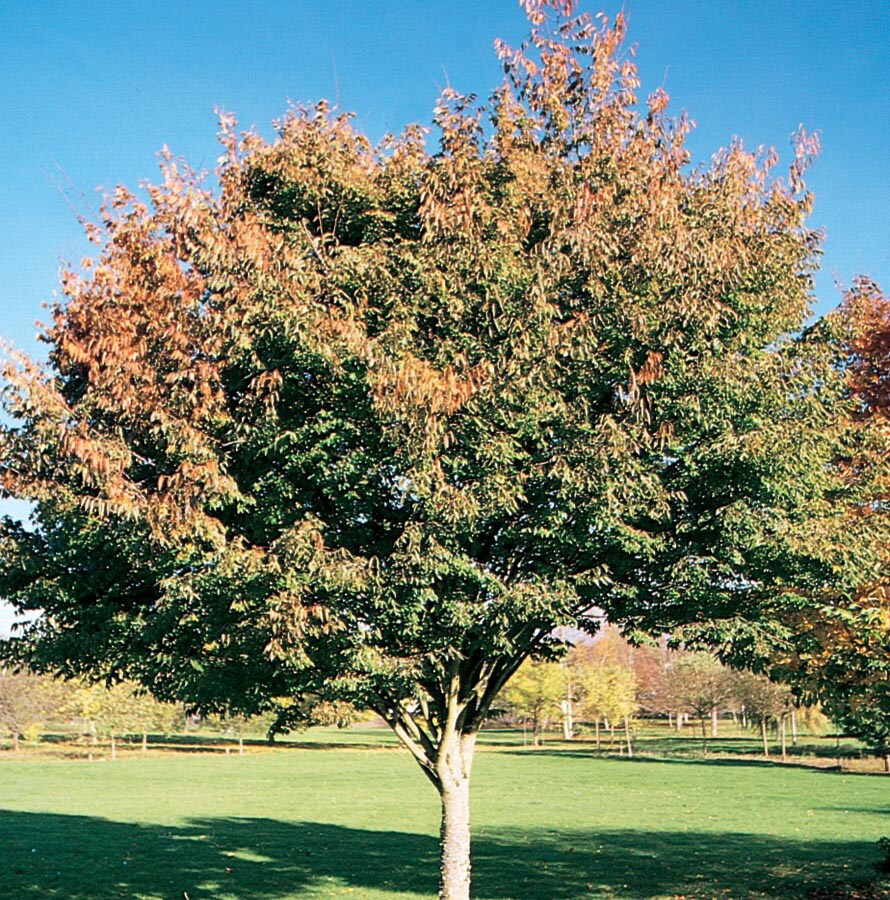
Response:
column 369, row 423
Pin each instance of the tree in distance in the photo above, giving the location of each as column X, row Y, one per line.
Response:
column 698, row 685
column 535, row 694
column 607, row 692
column 26, row 702
column 120, row 709
column 370, row 423
column 762, row 701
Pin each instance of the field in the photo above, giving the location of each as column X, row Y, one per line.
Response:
column 340, row 814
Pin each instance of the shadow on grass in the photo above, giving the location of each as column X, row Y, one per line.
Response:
column 641, row 755
column 82, row 858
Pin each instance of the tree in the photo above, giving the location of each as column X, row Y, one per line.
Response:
column 697, row 684
column 866, row 311
column 117, row 710
column 763, row 701
column 26, row 701
column 608, row 692
column 369, row 423
column 843, row 654
column 535, row 694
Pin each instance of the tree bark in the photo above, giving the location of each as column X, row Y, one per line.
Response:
column 764, row 736
column 113, row 748
column 145, row 742
column 783, row 729
column 714, row 722
column 568, row 723
column 453, row 769
column 630, row 746
column 887, row 763
column 15, row 740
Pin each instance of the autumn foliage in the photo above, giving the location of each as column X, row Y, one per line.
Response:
column 845, row 648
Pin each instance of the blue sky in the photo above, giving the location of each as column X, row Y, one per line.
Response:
column 90, row 91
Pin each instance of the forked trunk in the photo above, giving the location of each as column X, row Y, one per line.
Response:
column 454, row 789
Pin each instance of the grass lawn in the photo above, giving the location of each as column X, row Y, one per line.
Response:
column 337, row 821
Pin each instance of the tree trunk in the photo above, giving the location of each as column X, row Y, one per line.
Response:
column 145, row 742
column 15, row 740
column 630, row 746
column 454, row 770
column 714, row 722
column 887, row 763
column 113, row 748
column 783, row 729
column 794, row 728
column 568, row 723
column 597, row 733
column 764, row 736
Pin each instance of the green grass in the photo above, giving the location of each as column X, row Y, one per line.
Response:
column 335, row 821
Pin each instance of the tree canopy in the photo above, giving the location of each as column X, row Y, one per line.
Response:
column 370, row 422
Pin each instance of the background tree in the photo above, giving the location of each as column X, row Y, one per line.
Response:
column 118, row 710
column 764, row 702
column 149, row 716
column 26, row 702
column 370, row 423
column 535, row 695
column 699, row 685
column 608, row 694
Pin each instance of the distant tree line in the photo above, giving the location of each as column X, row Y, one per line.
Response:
column 608, row 684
